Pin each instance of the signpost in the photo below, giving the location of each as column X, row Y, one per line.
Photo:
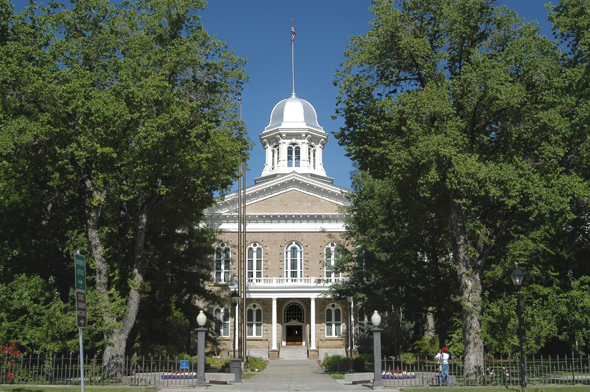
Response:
column 81, row 314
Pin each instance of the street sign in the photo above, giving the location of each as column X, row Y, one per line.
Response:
column 80, row 263
column 81, row 316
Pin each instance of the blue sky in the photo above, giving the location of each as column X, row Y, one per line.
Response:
column 259, row 30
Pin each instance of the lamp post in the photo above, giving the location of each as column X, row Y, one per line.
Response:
column 235, row 364
column 376, row 320
column 349, row 298
column 517, row 278
column 201, row 320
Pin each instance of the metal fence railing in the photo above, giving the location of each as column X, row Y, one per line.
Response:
column 134, row 370
column 499, row 371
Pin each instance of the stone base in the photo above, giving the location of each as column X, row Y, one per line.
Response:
column 273, row 354
column 313, row 354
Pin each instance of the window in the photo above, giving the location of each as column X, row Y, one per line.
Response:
column 254, row 320
column 222, row 263
column 333, row 321
column 294, row 312
column 254, row 262
column 330, row 259
column 293, row 156
column 222, row 314
column 293, row 261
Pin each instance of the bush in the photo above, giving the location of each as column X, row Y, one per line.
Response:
column 409, row 357
column 368, row 358
column 358, row 364
column 256, row 363
column 330, row 362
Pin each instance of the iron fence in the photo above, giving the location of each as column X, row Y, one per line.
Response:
column 167, row 371
column 499, row 371
column 65, row 370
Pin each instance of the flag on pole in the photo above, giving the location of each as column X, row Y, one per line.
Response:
column 292, row 34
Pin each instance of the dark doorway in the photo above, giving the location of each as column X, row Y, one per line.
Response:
column 294, row 335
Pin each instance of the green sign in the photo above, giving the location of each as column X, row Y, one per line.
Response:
column 80, row 263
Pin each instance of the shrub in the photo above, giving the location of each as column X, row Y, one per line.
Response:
column 368, row 358
column 427, row 347
column 256, row 364
column 358, row 364
column 330, row 362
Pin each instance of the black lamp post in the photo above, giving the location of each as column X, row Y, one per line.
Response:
column 235, row 364
column 349, row 298
column 517, row 278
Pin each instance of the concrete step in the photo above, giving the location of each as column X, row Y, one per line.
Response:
column 293, row 352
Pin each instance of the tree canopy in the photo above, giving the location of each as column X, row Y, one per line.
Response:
column 459, row 113
column 118, row 126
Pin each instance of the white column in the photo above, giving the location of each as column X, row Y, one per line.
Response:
column 274, row 323
column 312, row 328
column 268, row 163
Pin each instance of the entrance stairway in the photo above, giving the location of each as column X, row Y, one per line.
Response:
column 293, row 352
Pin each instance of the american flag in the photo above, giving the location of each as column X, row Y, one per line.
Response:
column 292, row 34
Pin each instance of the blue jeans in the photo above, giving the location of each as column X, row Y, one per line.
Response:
column 444, row 373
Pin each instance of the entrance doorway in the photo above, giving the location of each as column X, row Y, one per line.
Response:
column 294, row 335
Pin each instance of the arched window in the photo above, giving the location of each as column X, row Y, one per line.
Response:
column 294, row 312
column 330, row 259
column 222, row 315
column 293, row 261
column 254, row 320
column 293, row 156
column 333, row 321
column 254, row 262
column 222, row 265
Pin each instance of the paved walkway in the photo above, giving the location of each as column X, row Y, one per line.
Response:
column 288, row 375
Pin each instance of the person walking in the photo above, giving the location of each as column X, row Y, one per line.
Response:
column 443, row 360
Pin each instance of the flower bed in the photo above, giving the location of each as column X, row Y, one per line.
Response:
column 397, row 375
column 179, row 374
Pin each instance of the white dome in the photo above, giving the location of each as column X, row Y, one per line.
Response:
column 293, row 113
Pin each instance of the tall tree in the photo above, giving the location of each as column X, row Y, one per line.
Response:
column 453, row 100
column 130, row 116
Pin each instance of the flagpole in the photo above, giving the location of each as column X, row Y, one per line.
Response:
column 293, row 54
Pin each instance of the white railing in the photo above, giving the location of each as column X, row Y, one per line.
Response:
column 310, row 281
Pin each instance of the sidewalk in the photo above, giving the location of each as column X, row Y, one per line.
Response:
column 287, row 375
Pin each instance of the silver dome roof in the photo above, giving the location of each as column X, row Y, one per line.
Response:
column 293, row 113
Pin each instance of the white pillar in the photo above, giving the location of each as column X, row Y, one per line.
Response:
column 236, row 327
column 274, row 323
column 312, row 328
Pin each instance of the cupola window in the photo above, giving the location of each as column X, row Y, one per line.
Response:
column 293, row 156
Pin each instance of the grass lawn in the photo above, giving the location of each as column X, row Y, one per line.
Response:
column 24, row 388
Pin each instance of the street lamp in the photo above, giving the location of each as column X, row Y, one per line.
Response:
column 201, row 320
column 517, row 278
column 376, row 321
column 235, row 364
column 349, row 298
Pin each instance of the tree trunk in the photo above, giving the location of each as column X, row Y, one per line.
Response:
column 468, row 273
column 430, row 327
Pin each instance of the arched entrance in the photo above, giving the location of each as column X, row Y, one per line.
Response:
column 294, row 322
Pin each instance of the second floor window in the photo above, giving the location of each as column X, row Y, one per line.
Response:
column 254, row 262
column 222, row 263
column 330, row 259
column 293, row 260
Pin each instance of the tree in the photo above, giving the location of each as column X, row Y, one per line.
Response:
column 129, row 118
column 453, row 101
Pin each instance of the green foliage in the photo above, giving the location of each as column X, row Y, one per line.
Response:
column 469, row 130
column 256, row 364
column 427, row 346
column 119, row 125
column 367, row 358
column 330, row 362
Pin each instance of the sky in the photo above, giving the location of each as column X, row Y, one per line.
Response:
column 259, row 30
